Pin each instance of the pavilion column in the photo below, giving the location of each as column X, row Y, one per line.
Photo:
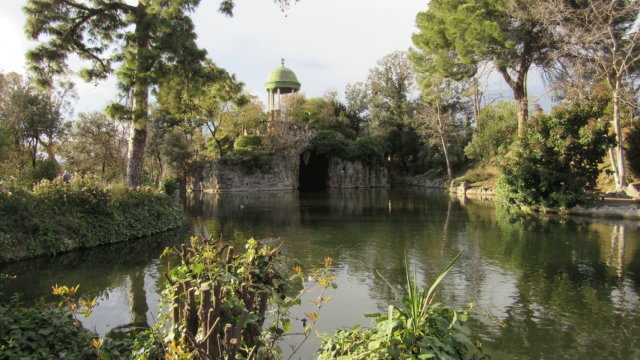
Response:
column 268, row 100
column 279, row 100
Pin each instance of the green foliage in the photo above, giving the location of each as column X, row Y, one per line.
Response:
column 348, row 134
column 251, row 288
column 556, row 157
column 404, row 144
column 44, row 332
column 5, row 143
column 248, row 141
column 633, row 149
column 432, row 156
column 498, row 129
column 56, row 216
column 177, row 153
column 250, row 159
column 45, row 170
column 169, row 186
column 333, row 144
column 419, row 329
column 40, row 332
column 330, row 143
column 476, row 175
column 367, row 150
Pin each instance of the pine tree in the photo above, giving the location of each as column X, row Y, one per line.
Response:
column 142, row 44
column 455, row 37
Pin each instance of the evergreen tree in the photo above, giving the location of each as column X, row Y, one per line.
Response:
column 455, row 37
column 147, row 42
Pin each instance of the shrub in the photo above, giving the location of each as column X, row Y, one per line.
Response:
column 499, row 128
column 333, row 144
column 44, row 332
column 632, row 140
column 40, row 332
column 330, row 143
column 248, row 141
column 476, row 175
column 45, row 169
column 556, row 157
column 55, row 216
column 250, row 159
column 367, row 150
column 169, row 186
column 348, row 134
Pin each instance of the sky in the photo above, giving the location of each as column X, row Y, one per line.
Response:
column 327, row 43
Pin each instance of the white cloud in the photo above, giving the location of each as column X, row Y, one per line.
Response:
column 327, row 43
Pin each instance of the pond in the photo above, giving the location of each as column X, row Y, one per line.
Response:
column 541, row 288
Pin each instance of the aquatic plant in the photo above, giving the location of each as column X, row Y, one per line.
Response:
column 418, row 329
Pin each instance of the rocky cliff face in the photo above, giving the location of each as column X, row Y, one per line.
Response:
column 347, row 174
column 214, row 177
column 283, row 175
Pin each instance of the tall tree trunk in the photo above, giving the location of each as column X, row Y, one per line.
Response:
column 138, row 135
column 522, row 104
column 444, row 142
column 49, row 147
column 446, row 156
column 519, row 88
column 616, row 174
column 476, row 104
column 135, row 165
column 34, row 158
column 160, row 175
column 622, row 174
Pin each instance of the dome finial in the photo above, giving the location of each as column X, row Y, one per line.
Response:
column 282, row 62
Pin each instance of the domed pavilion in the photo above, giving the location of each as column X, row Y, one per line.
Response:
column 281, row 81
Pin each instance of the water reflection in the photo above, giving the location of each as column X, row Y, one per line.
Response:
column 124, row 277
column 542, row 287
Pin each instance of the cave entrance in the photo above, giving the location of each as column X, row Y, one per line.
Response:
column 313, row 174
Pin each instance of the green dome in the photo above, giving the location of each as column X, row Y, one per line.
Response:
column 284, row 79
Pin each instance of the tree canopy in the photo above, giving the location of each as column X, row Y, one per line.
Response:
column 455, row 37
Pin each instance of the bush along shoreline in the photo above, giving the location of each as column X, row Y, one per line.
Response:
column 55, row 216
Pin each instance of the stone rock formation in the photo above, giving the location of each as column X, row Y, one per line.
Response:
column 347, row 174
column 283, row 175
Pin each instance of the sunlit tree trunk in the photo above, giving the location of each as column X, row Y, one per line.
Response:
column 621, row 182
column 444, row 143
column 138, row 135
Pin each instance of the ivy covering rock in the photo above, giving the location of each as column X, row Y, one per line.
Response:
column 55, row 216
column 366, row 149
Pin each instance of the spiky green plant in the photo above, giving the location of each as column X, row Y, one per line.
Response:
column 415, row 308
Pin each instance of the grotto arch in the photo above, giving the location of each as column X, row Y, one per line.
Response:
column 314, row 171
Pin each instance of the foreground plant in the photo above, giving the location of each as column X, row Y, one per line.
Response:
column 220, row 305
column 84, row 308
column 418, row 329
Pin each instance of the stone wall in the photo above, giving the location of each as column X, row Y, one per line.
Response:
column 214, row 177
column 346, row 174
column 283, row 175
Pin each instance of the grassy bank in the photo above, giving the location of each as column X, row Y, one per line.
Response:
column 54, row 217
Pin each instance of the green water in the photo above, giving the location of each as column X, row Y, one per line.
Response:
column 541, row 288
